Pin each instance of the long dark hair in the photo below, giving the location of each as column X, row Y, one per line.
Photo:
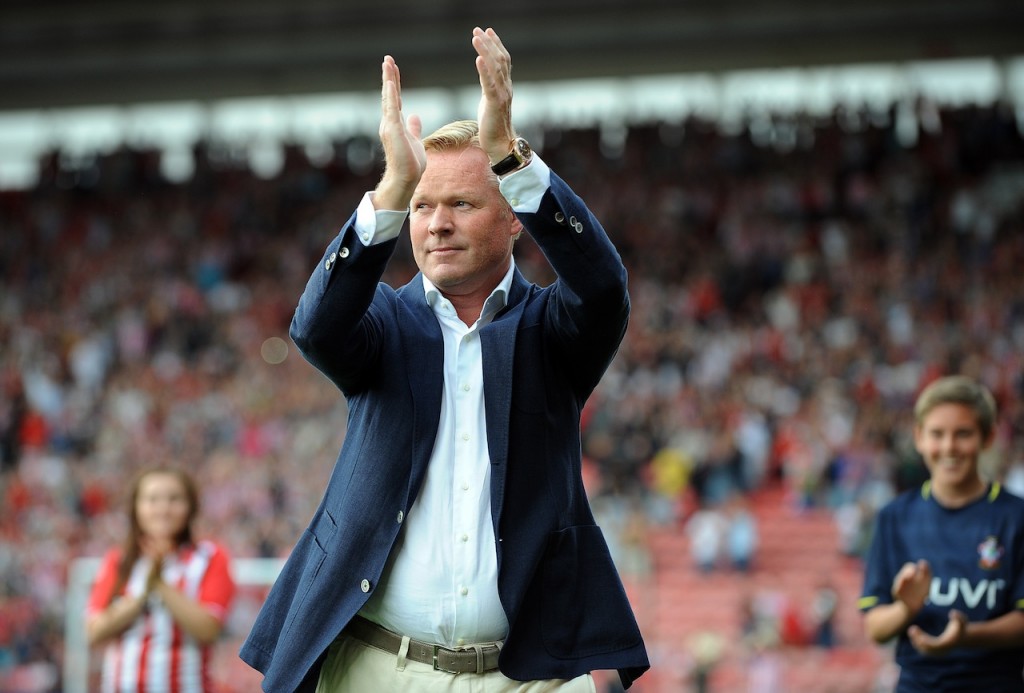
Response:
column 131, row 549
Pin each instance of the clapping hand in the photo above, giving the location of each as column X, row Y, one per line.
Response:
column 494, row 114
column 911, row 585
column 404, row 156
column 939, row 644
column 156, row 551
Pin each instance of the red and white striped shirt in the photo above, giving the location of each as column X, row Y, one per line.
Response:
column 155, row 655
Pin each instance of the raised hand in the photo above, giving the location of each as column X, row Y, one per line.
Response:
column 404, row 157
column 912, row 584
column 494, row 115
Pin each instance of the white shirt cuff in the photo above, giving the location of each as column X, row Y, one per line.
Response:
column 375, row 226
column 524, row 188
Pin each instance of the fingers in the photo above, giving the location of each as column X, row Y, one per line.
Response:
column 155, row 573
column 415, row 126
column 905, row 575
column 404, row 156
column 390, row 88
column 949, row 638
column 921, row 641
column 493, row 62
column 957, row 626
column 489, row 47
column 494, row 114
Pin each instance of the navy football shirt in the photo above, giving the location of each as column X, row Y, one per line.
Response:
column 976, row 555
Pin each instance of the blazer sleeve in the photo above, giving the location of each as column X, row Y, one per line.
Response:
column 338, row 325
column 589, row 307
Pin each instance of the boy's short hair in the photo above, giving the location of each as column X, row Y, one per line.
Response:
column 959, row 389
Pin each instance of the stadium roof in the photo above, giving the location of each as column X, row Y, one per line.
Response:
column 61, row 53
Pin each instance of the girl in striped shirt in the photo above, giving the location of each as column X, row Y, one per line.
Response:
column 161, row 599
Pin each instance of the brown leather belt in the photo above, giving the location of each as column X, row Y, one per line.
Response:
column 475, row 659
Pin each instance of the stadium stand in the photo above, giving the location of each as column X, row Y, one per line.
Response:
column 794, row 285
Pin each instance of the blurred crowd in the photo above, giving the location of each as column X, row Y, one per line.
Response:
column 795, row 281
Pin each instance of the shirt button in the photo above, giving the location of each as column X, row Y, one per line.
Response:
column 401, row 516
column 514, row 201
column 364, row 585
column 465, row 436
column 464, row 591
column 465, row 485
column 465, row 387
column 366, row 237
column 460, row 641
column 464, row 537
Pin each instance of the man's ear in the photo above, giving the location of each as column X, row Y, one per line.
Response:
column 516, row 227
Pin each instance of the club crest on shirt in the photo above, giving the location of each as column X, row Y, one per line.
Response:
column 989, row 553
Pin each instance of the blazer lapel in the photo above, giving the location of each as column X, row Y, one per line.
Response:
column 497, row 346
column 423, row 347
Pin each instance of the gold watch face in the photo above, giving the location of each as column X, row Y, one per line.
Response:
column 523, row 149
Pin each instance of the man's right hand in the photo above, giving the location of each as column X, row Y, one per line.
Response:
column 404, row 156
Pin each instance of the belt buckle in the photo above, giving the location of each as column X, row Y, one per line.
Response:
column 437, row 666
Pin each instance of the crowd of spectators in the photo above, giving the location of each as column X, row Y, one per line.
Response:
column 794, row 284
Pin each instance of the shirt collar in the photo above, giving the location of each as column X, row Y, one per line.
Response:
column 494, row 303
column 993, row 491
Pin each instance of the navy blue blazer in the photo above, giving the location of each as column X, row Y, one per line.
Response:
column 542, row 357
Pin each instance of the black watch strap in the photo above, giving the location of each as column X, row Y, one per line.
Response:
column 519, row 156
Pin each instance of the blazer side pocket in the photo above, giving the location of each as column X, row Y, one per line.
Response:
column 585, row 610
column 317, row 537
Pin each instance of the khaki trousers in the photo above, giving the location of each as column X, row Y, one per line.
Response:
column 352, row 666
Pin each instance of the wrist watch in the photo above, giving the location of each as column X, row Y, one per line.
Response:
column 519, row 156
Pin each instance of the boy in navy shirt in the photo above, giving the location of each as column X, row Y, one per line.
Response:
column 945, row 572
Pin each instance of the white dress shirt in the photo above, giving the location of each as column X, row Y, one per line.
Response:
column 440, row 584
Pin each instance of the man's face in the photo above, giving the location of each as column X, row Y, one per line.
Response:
column 950, row 441
column 461, row 227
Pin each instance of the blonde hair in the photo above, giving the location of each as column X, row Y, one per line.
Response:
column 460, row 134
column 959, row 389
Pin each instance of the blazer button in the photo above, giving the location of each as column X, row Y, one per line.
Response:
column 560, row 218
column 401, row 516
column 330, row 261
column 343, row 253
column 364, row 585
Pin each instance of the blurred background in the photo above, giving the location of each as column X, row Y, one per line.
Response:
column 821, row 207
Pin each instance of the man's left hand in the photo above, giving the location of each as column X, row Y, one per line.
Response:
column 494, row 115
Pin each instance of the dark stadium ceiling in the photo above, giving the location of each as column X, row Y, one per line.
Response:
column 57, row 53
